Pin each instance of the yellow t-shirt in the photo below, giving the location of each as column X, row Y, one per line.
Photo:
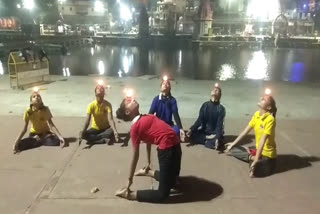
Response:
column 99, row 114
column 39, row 120
column 265, row 124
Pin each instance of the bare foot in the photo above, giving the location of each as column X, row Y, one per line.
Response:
column 124, row 193
column 142, row 172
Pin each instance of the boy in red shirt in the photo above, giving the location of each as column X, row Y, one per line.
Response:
column 151, row 130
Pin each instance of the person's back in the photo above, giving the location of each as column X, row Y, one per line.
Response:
column 149, row 128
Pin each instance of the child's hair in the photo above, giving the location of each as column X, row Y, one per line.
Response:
column 273, row 106
column 121, row 112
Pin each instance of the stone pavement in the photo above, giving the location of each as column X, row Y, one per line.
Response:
column 52, row 180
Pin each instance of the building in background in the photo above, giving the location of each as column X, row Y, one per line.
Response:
column 203, row 20
column 164, row 19
column 83, row 12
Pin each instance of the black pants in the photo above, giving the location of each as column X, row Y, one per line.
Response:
column 170, row 163
column 199, row 137
column 263, row 168
column 94, row 136
column 31, row 142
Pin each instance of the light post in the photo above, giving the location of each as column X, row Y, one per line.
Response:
column 98, row 6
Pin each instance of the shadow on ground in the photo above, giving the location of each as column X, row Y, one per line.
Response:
column 287, row 162
column 69, row 140
column 123, row 140
column 25, row 145
column 195, row 189
column 248, row 139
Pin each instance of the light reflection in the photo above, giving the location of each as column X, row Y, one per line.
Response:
column 264, row 10
column 101, row 67
column 257, row 67
column 1, row 68
column 66, row 72
column 92, row 51
column 297, row 72
column 179, row 60
column 226, row 72
column 125, row 64
column 120, row 73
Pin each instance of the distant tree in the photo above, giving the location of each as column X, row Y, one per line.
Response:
column 47, row 11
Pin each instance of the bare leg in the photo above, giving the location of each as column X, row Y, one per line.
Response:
column 145, row 172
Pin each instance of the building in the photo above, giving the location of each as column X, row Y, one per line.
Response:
column 83, row 12
column 164, row 18
column 203, row 20
column 180, row 6
column 232, row 7
column 186, row 22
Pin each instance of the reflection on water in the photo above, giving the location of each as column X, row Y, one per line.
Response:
column 293, row 65
column 296, row 74
column 101, row 68
column 66, row 72
column 257, row 67
column 1, row 68
column 92, row 51
column 226, row 72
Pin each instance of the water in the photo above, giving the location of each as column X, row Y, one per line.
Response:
column 290, row 65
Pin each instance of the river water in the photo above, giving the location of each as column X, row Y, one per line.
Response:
column 206, row 63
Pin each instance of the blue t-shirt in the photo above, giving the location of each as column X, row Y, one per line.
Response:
column 164, row 107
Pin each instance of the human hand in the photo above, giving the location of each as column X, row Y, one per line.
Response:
column 252, row 168
column 129, row 183
column 62, row 142
column 182, row 135
column 228, row 147
column 80, row 135
column 189, row 133
column 15, row 148
column 116, row 136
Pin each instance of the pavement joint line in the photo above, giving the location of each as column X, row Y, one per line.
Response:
column 51, row 184
column 288, row 139
column 80, row 198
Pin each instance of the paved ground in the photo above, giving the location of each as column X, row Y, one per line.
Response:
column 53, row 180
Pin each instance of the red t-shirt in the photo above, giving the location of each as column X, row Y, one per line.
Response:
column 152, row 130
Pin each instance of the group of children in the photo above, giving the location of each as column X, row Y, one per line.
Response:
column 157, row 128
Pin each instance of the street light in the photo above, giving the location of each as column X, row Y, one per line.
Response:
column 28, row 4
column 98, row 6
column 61, row 1
column 18, row 6
column 125, row 13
